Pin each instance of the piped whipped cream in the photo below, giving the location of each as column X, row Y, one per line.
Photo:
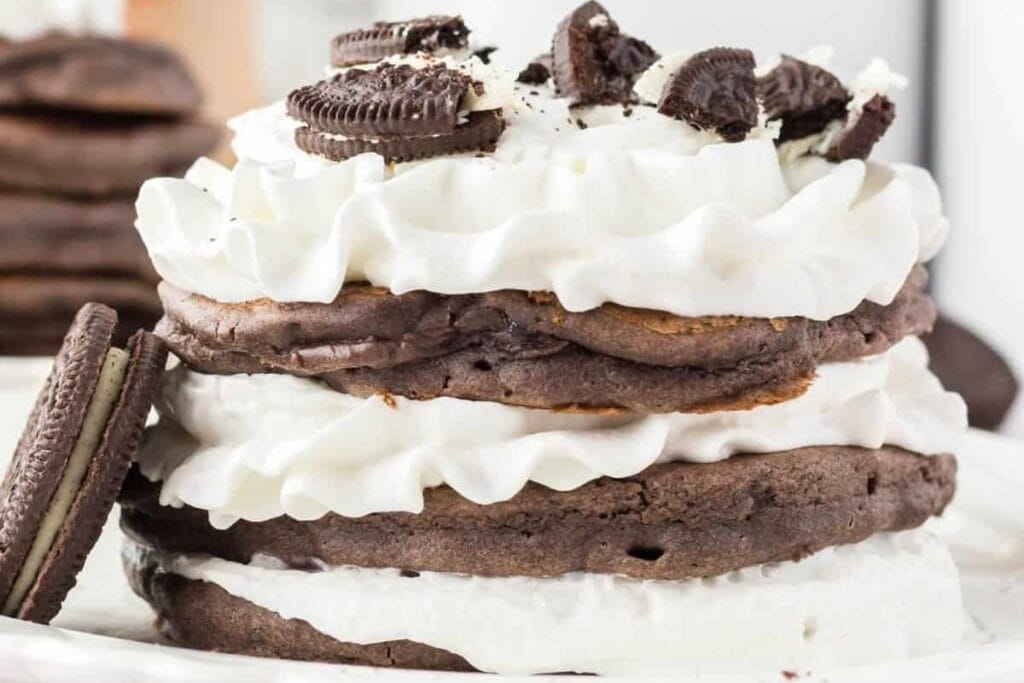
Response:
column 685, row 223
column 262, row 446
column 25, row 19
column 890, row 597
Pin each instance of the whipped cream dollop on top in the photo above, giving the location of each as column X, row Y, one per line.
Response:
column 262, row 446
column 892, row 596
column 25, row 19
column 596, row 204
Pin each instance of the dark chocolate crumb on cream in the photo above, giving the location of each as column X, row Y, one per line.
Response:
column 537, row 72
column 714, row 90
column 386, row 39
column 593, row 62
column 804, row 97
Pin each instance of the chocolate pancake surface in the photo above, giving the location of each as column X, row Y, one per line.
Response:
column 71, row 461
column 671, row 521
column 519, row 348
column 95, row 74
column 204, row 616
column 56, row 235
column 95, row 156
column 36, row 310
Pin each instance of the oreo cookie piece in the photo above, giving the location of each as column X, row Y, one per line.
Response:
column 96, row 74
column 71, row 460
column 593, row 62
column 385, row 39
column 714, row 90
column 863, row 130
column 805, row 97
column 398, row 111
column 537, row 72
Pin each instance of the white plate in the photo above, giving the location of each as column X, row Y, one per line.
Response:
column 105, row 633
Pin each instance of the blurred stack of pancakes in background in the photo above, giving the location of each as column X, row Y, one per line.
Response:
column 84, row 120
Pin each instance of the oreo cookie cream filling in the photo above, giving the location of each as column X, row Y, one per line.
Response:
column 598, row 364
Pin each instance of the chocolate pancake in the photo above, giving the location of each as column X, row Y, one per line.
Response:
column 35, row 311
column 54, row 235
column 973, row 369
column 672, row 521
column 95, row 74
column 95, row 156
column 204, row 616
column 520, row 348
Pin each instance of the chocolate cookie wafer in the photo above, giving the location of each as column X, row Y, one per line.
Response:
column 95, row 74
column 804, row 97
column 71, row 460
column 435, row 34
column 863, row 130
column 714, row 90
column 95, row 156
column 400, row 112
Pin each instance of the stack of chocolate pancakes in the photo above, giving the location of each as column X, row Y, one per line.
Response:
column 609, row 368
column 83, row 122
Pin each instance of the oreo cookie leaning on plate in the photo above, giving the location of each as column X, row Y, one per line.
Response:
column 385, row 39
column 398, row 111
column 714, row 90
column 71, row 461
column 805, row 97
column 593, row 62
column 863, row 130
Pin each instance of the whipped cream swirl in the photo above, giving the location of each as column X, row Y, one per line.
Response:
column 262, row 446
column 602, row 204
column 892, row 596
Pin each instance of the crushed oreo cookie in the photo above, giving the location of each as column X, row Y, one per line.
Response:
column 398, row 111
column 714, row 90
column 804, row 97
column 863, row 130
column 484, row 53
column 538, row 71
column 386, row 39
column 593, row 62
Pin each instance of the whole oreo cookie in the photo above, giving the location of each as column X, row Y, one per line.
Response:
column 805, row 97
column 398, row 111
column 593, row 62
column 96, row 74
column 387, row 101
column 714, row 90
column 385, row 39
column 71, row 461
column 863, row 130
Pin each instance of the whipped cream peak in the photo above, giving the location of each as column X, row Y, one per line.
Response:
column 262, row 446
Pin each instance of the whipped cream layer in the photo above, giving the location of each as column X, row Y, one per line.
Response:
column 892, row 596
column 261, row 446
column 685, row 223
column 25, row 19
